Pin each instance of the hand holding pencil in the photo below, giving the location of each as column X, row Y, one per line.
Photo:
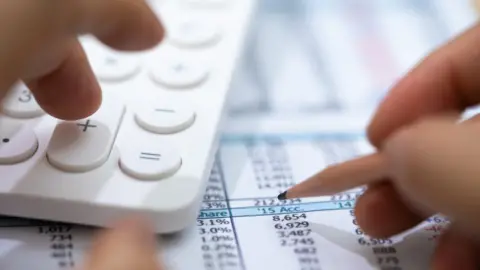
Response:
column 427, row 161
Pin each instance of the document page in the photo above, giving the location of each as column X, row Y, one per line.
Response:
column 241, row 224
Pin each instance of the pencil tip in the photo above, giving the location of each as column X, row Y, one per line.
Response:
column 282, row 196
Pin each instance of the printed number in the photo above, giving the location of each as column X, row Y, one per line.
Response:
column 25, row 97
column 54, row 229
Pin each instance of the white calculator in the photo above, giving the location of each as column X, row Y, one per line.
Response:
column 149, row 148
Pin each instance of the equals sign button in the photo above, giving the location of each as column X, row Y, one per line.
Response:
column 150, row 156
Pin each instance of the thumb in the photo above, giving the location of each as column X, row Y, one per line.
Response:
column 129, row 245
column 435, row 166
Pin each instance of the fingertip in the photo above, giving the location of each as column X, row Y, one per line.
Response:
column 381, row 213
column 431, row 87
column 409, row 147
column 71, row 92
column 148, row 34
column 411, row 143
column 124, row 25
column 454, row 251
column 433, row 163
column 128, row 244
column 137, row 226
column 86, row 104
column 374, row 132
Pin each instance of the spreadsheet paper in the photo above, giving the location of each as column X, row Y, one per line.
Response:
column 241, row 224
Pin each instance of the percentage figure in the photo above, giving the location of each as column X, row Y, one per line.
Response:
column 222, row 221
column 225, row 230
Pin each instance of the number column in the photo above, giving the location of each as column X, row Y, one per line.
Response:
column 272, row 169
column 273, row 234
column 216, row 227
column 60, row 238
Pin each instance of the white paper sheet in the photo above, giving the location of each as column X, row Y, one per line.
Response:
column 242, row 225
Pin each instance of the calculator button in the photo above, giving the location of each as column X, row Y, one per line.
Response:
column 164, row 119
column 193, row 33
column 178, row 73
column 112, row 68
column 79, row 146
column 207, row 3
column 17, row 144
column 150, row 162
column 109, row 65
column 20, row 103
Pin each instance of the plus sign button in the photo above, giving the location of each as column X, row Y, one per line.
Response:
column 80, row 146
column 178, row 73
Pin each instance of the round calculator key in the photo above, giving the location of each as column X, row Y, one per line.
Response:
column 207, row 3
column 17, row 144
column 20, row 103
column 109, row 65
column 193, row 33
column 178, row 73
column 150, row 162
column 114, row 68
column 165, row 119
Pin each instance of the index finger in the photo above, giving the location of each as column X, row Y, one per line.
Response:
column 29, row 28
column 446, row 80
column 39, row 47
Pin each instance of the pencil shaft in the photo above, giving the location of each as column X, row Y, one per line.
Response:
column 341, row 177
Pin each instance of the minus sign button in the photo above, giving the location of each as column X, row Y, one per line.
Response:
column 165, row 119
column 165, row 110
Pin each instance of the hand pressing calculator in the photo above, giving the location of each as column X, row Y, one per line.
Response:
column 149, row 148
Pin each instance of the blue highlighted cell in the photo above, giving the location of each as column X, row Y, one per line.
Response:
column 253, row 211
column 214, row 213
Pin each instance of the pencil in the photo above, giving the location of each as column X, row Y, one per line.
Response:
column 340, row 177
